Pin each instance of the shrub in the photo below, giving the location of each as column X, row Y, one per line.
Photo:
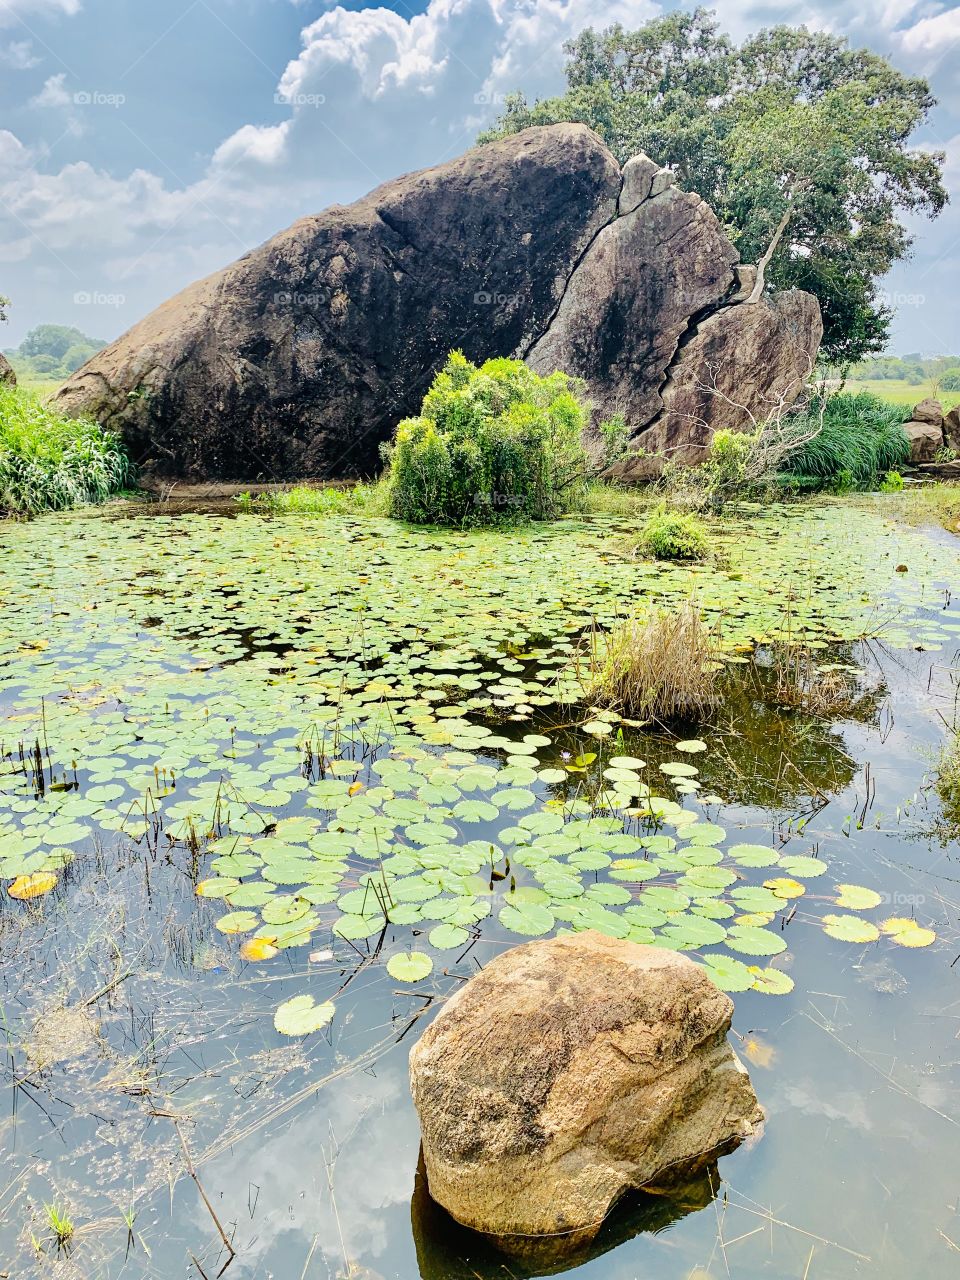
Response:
column 494, row 444
column 861, row 439
column 892, row 482
column 661, row 667
column 48, row 462
column 672, row 535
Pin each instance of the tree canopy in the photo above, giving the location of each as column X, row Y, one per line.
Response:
column 791, row 132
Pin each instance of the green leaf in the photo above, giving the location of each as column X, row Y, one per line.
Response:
column 409, row 966
column 299, row 1016
column 529, row 918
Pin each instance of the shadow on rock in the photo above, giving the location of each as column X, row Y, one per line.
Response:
column 448, row 1251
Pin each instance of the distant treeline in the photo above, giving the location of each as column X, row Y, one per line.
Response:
column 52, row 351
column 943, row 371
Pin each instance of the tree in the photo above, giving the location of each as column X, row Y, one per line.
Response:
column 56, row 340
column 4, row 304
column 800, row 144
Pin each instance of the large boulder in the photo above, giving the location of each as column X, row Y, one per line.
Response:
column 928, row 410
column 926, row 439
column 299, row 359
column 570, row 1071
column 7, row 374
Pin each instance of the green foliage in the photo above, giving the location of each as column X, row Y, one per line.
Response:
column 303, row 500
column 53, row 350
column 673, row 535
column 950, row 381
column 4, row 304
column 892, row 482
column 48, row 462
column 861, row 439
column 495, row 444
column 789, row 121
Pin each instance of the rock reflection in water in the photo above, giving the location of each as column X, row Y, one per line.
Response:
column 448, row 1251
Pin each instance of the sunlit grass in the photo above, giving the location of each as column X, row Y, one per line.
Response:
column 305, row 500
column 49, row 462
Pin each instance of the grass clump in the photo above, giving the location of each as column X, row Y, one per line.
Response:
column 61, row 1225
column 496, row 444
column 948, row 780
column 305, row 500
column 659, row 668
column 861, row 439
column 672, row 535
column 49, row 462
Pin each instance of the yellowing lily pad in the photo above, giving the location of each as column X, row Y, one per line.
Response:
column 907, row 933
column 32, row 886
column 856, row 898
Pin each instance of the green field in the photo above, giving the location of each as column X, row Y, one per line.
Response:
column 899, row 391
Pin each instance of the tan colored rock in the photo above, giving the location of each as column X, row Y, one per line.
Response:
column 928, row 410
column 7, row 375
column 951, row 428
column 740, row 366
column 926, row 438
column 570, row 1071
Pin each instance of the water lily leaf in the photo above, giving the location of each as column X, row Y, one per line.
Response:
column 238, row 922
column 530, row 918
column 753, row 855
column 300, row 1016
column 907, row 933
column 728, row 974
column 799, row 866
column 447, row 936
column 784, row 887
column 409, row 966
column 258, row 949
column 690, row 745
column 850, row 928
column 856, row 898
column 218, row 887
column 755, row 942
column 773, row 982
column 35, row 885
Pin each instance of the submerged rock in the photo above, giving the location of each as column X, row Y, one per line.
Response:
column 300, row 358
column 569, row 1072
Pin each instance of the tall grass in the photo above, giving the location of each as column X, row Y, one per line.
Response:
column 862, row 438
column 48, row 462
column 658, row 668
column 305, row 500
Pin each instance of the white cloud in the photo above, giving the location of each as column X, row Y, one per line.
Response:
column 54, row 93
column 14, row 12
column 19, row 55
column 369, row 95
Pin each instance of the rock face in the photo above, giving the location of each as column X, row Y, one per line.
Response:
column 568, row 1072
column 951, row 429
column 925, row 439
column 300, row 358
column 928, row 410
column 7, row 374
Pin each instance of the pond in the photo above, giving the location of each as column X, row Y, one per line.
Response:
column 271, row 789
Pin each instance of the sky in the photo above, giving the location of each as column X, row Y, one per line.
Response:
column 145, row 145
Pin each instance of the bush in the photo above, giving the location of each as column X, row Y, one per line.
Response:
column 892, row 482
column 662, row 667
column 495, row 444
column 48, row 462
column 671, row 535
column 861, row 439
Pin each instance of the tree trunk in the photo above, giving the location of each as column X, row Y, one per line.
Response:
column 756, row 292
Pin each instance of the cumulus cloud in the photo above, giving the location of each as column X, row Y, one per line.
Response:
column 369, row 94
column 14, row 12
column 19, row 55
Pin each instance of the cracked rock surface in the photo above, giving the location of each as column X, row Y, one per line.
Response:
column 300, row 358
column 570, row 1071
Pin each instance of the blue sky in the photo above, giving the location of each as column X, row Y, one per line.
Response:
column 142, row 146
